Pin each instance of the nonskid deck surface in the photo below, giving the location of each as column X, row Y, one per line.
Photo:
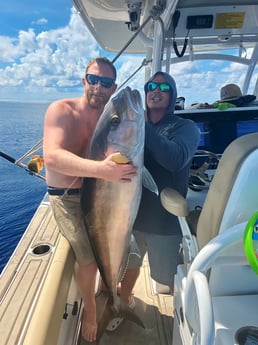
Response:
column 30, row 281
column 156, row 312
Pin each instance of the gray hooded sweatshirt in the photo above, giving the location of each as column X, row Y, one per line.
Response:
column 170, row 145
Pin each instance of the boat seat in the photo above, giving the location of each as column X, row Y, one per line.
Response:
column 230, row 198
column 216, row 274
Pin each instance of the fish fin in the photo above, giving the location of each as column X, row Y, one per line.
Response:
column 129, row 313
column 106, row 311
column 149, row 182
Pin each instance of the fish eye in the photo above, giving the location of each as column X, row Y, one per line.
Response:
column 115, row 120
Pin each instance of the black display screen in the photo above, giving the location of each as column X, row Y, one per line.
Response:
column 199, row 22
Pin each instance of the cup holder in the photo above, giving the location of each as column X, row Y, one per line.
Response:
column 41, row 249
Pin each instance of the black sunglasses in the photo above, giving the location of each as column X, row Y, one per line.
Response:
column 93, row 79
column 164, row 87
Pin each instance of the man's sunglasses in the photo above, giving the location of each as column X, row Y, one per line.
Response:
column 93, row 79
column 164, row 87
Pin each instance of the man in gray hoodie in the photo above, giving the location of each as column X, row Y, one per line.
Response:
column 170, row 144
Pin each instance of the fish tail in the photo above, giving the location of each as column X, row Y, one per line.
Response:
column 129, row 313
column 106, row 311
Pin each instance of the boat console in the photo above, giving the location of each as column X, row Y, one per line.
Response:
column 219, row 128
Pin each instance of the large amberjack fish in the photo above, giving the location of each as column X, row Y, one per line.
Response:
column 110, row 208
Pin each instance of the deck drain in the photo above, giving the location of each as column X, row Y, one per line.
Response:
column 41, row 249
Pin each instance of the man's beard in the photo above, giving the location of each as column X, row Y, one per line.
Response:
column 97, row 102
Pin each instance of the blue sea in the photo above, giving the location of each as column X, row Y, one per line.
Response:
column 21, row 127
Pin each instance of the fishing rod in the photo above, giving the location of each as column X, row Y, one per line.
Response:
column 32, row 167
column 35, row 163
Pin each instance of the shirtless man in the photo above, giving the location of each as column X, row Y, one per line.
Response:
column 69, row 125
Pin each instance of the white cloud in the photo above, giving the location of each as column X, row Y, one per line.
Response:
column 40, row 21
column 127, row 66
column 9, row 49
column 50, row 65
column 54, row 58
column 53, row 61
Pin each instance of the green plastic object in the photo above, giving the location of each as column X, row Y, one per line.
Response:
column 251, row 241
column 223, row 105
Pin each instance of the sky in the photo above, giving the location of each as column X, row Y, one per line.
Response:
column 44, row 47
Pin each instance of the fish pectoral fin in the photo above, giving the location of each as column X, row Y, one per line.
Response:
column 148, row 181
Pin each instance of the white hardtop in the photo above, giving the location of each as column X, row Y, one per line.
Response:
column 176, row 31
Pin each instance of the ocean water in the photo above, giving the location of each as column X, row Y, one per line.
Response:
column 21, row 127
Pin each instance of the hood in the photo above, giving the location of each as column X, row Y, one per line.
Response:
column 173, row 92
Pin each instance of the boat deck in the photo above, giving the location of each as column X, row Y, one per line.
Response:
column 34, row 293
column 155, row 310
